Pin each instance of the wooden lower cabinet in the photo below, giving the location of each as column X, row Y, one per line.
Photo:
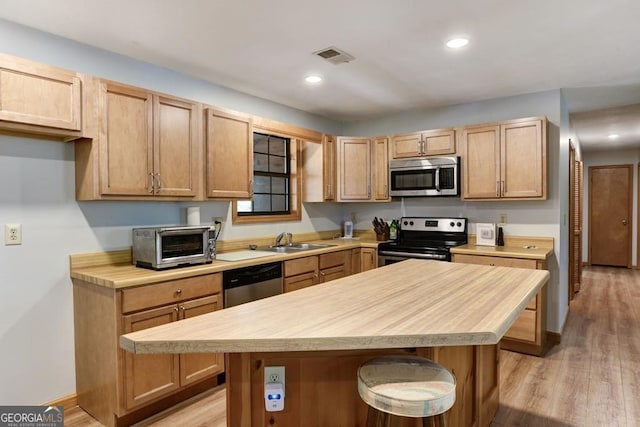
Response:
column 528, row 333
column 311, row 270
column 369, row 259
column 117, row 387
column 321, row 387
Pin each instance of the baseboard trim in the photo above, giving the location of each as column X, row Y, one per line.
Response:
column 554, row 338
column 68, row 402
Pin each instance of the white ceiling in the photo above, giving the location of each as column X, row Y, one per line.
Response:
column 264, row 48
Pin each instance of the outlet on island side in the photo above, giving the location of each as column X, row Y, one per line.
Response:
column 503, row 218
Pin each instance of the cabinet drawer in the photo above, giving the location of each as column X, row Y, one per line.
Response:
column 296, row 266
column 332, row 273
column 332, row 259
column 524, row 327
column 170, row 292
column 496, row 261
column 300, row 281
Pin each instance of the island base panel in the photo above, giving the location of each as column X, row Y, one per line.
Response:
column 321, row 387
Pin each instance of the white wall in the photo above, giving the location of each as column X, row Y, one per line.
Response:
column 37, row 190
column 524, row 218
column 604, row 158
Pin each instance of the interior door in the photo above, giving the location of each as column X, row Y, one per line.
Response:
column 575, row 223
column 610, row 201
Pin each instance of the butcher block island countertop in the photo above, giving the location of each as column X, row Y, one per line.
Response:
column 414, row 303
column 454, row 314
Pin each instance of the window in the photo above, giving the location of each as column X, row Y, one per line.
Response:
column 270, row 177
column 275, row 181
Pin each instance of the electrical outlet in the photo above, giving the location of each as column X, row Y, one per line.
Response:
column 503, row 218
column 217, row 218
column 354, row 217
column 274, row 374
column 13, row 234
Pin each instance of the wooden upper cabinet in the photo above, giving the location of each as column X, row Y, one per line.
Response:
column 229, row 154
column 329, row 167
column 505, row 161
column 437, row 142
column 381, row 169
column 363, row 169
column 39, row 99
column 354, row 169
column 524, row 166
column 150, row 145
column 319, row 170
column 139, row 145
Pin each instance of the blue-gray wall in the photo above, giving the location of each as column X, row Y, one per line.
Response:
column 37, row 190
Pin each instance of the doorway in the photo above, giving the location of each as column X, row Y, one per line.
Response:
column 610, row 207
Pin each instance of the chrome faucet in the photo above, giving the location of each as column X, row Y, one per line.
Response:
column 280, row 236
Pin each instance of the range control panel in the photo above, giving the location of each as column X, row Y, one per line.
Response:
column 446, row 225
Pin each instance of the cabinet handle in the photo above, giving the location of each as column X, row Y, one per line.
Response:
column 175, row 309
column 315, row 275
column 369, row 191
column 502, row 188
column 182, row 307
column 322, row 273
column 497, row 188
column 151, row 183
column 251, row 187
column 422, row 144
column 159, row 182
column 492, row 265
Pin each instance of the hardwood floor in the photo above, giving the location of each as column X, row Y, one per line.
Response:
column 591, row 379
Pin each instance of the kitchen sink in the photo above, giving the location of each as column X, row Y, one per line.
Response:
column 296, row 247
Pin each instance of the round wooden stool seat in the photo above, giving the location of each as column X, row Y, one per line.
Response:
column 407, row 386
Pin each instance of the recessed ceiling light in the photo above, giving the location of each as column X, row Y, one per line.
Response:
column 313, row 79
column 613, row 135
column 457, row 43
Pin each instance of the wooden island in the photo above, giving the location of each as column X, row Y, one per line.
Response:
column 452, row 313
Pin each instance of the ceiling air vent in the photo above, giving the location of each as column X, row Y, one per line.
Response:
column 334, row 55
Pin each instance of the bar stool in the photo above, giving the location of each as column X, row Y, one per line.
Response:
column 407, row 386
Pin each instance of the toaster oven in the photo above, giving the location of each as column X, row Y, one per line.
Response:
column 167, row 247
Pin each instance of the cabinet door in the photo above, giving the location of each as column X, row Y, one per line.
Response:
column 354, row 169
column 408, row 145
column 481, row 162
column 194, row 367
column 523, row 166
column 369, row 259
column 176, row 146
column 149, row 376
column 229, row 146
column 329, row 167
column 300, row 281
column 356, row 263
column 126, row 156
column 381, row 169
column 439, row 142
column 39, row 95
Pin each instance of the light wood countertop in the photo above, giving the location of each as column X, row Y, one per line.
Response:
column 414, row 303
column 114, row 270
column 538, row 248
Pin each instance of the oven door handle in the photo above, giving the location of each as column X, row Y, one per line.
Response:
column 412, row 255
column 438, row 179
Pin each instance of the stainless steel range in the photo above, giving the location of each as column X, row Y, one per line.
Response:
column 424, row 238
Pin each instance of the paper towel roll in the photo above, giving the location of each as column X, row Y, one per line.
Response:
column 193, row 215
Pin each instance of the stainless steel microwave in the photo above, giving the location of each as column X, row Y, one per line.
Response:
column 434, row 176
column 166, row 247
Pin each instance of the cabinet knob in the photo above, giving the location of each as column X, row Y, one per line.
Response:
column 178, row 291
column 175, row 308
column 492, row 265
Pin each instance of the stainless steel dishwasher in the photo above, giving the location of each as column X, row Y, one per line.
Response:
column 251, row 283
